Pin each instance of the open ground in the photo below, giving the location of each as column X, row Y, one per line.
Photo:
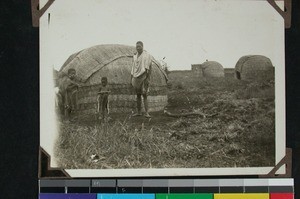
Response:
column 234, row 126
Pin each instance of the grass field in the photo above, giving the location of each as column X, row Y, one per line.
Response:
column 236, row 129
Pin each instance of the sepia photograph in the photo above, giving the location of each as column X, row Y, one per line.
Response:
column 162, row 88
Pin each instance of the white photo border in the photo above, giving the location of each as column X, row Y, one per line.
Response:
column 47, row 123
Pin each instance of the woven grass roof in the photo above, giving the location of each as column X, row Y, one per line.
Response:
column 253, row 62
column 90, row 60
column 212, row 69
column 212, row 64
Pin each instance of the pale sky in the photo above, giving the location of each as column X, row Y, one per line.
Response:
column 185, row 32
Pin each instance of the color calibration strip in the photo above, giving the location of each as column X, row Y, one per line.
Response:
column 167, row 189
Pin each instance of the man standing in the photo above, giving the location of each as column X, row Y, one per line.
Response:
column 140, row 77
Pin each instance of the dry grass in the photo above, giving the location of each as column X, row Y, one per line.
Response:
column 241, row 134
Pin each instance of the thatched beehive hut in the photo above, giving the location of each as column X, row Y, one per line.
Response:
column 212, row 69
column 254, row 67
column 113, row 62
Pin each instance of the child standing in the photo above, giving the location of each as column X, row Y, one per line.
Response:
column 102, row 99
column 68, row 89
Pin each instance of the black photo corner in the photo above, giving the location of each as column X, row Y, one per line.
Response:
column 19, row 106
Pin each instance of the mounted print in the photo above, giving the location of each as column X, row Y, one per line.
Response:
column 162, row 88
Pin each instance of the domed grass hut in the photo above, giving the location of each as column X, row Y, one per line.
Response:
column 114, row 62
column 212, row 69
column 254, row 67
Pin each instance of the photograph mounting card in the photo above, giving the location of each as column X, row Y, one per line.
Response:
column 162, row 88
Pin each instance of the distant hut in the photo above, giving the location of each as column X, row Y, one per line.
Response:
column 254, row 67
column 212, row 69
column 197, row 70
column 113, row 62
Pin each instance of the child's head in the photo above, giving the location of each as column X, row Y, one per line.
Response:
column 71, row 73
column 104, row 81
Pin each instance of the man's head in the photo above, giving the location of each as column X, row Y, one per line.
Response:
column 139, row 47
column 104, row 81
column 71, row 73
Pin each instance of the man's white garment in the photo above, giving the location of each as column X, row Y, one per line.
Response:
column 140, row 64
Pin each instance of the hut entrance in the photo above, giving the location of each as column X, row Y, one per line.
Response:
column 238, row 75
